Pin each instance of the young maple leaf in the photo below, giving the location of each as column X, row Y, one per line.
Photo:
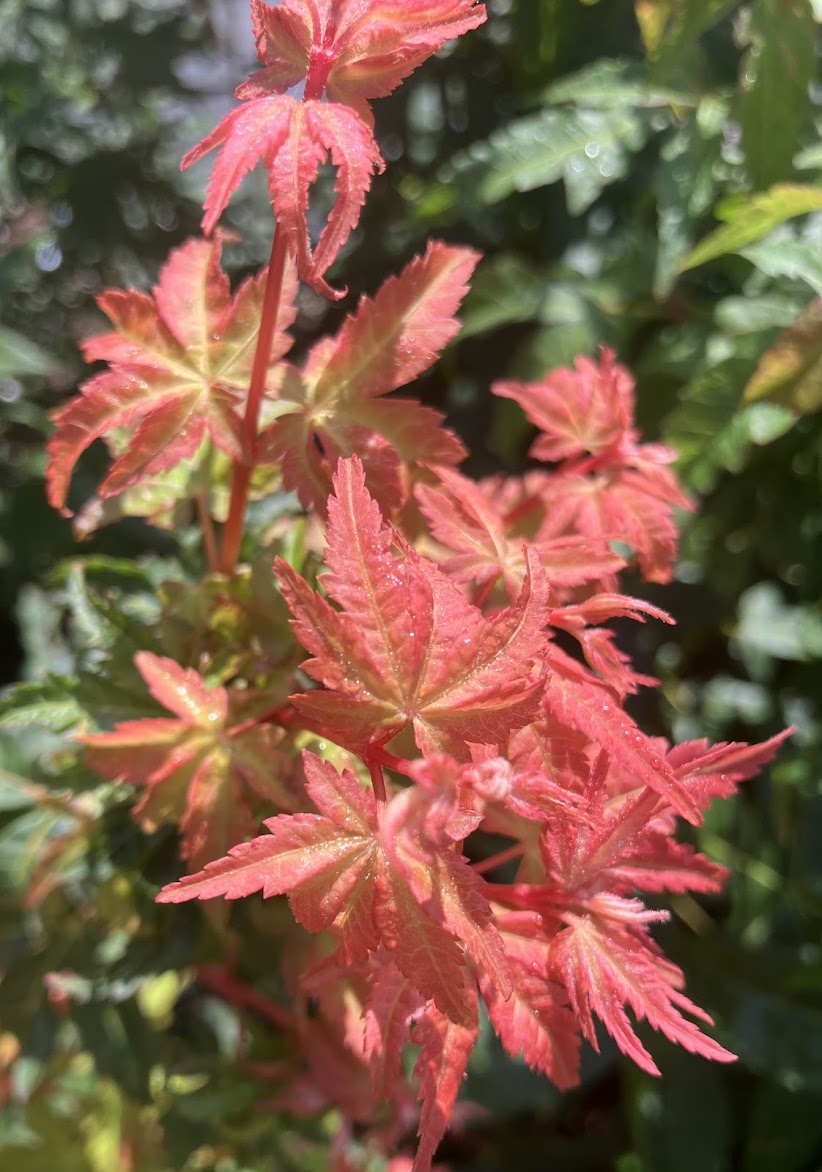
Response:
column 196, row 766
column 292, row 139
column 574, row 701
column 354, row 50
column 179, row 366
column 609, row 486
column 407, row 648
column 351, row 869
column 335, row 409
column 466, row 518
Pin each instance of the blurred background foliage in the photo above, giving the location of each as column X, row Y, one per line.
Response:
column 640, row 173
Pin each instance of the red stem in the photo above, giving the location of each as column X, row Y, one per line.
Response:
column 219, row 981
column 243, row 468
column 504, row 856
column 377, row 779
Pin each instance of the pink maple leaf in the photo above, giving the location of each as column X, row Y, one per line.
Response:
column 335, row 408
column 292, row 139
column 407, row 648
column 352, row 870
column 354, row 51
column 195, row 766
column 179, row 365
column 608, row 486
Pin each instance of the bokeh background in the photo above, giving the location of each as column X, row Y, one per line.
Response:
column 585, row 149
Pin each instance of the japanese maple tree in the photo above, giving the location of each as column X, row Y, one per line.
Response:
column 432, row 663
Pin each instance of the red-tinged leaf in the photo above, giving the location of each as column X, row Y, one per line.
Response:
column 443, row 884
column 617, row 847
column 609, row 486
column 194, row 768
column 387, row 342
column 465, row 518
column 393, row 337
column 475, row 679
column 328, row 864
column 283, row 36
column 592, row 711
column 716, row 770
column 182, row 690
column 354, row 52
column 297, row 849
column 441, row 1065
column 292, row 139
column 421, row 949
column 535, row 1021
column 585, row 410
column 607, row 963
column 391, row 1002
column 179, row 371
column 624, row 505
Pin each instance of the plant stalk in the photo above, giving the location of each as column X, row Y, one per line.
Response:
column 244, row 467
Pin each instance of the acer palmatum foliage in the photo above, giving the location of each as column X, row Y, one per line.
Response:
column 609, row 484
column 348, row 52
column 461, row 675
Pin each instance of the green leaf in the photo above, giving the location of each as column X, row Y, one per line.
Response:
column 588, row 148
column 505, row 290
column 769, row 628
column 50, row 704
column 783, row 254
column 776, row 73
column 749, row 219
column 611, row 82
column 19, row 356
column 785, row 1130
column 680, row 1122
column 790, row 372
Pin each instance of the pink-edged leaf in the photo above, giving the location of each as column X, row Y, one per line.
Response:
column 608, row 487
column 391, row 1002
column 179, row 371
column 617, row 506
column 585, row 410
column 444, row 885
column 466, row 518
column 408, row 648
column 194, row 768
column 422, row 950
column 535, row 1020
column 354, row 51
column 607, row 962
column 711, row 771
column 182, row 690
column 394, row 336
column 592, row 711
column 446, row 1047
column 618, row 847
column 297, row 849
column 389, row 340
column 292, row 139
